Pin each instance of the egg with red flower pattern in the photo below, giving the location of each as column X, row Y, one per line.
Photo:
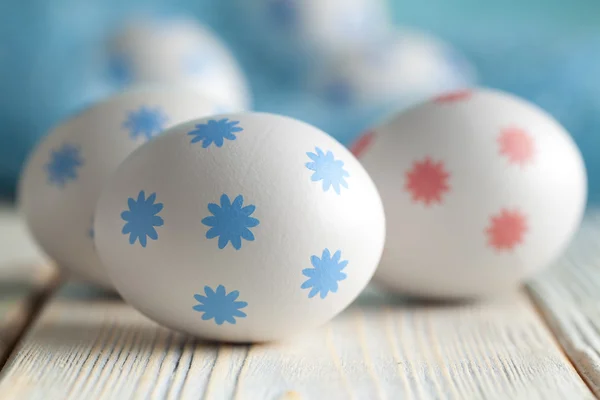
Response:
column 481, row 191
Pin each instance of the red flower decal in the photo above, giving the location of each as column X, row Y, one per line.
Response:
column 506, row 230
column 362, row 144
column 516, row 145
column 427, row 181
column 451, row 97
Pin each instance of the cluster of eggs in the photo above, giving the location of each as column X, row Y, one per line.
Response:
column 239, row 226
column 242, row 226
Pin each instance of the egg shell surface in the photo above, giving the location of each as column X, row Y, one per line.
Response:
column 177, row 51
column 64, row 175
column 241, row 227
column 481, row 191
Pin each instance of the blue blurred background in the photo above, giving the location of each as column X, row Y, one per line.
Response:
column 547, row 51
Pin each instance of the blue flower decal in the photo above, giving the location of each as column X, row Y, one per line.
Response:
column 63, row 165
column 215, row 132
column 219, row 305
column 325, row 274
column 146, row 122
column 328, row 170
column 119, row 69
column 230, row 222
column 141, row 218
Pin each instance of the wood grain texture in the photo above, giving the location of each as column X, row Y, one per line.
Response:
column 24, row 273
column 568, row 295
column 90, row 347
column 20, row 287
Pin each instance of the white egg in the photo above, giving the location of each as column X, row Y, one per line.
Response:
column 64, row 175
column 245, row 227
column 178, row 51
column 315, row 26
column 406, row 68
column 481, row 191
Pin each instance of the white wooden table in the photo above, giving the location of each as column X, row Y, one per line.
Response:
column 62, row 340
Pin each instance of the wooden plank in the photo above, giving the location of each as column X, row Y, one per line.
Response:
column 24, row 274
column 84, row 347
column 21, row 288
column 568, row 296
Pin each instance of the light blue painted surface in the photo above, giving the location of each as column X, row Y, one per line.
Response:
column 547, row 51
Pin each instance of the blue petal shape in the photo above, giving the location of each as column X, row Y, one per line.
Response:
column 157, row 221
column 146, row 122
column 248, row 209
column 212, row 233
column 152, row 234
column 247, row 235
column 252, row 222
column 308, row 272
column 223, row 242
column 233, row 295
column 323, row 278
column 141, row 219
column 220, row 306
column 230, row 222
column 328, row 170
column 225, row 203
column 199, row 298
column 215, row 132
column 214, row 209
column 63, row 165
column 210, row 221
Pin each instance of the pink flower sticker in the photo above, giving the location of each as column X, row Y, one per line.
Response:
column 427, row 181
column 506, row 230
column 516, row 145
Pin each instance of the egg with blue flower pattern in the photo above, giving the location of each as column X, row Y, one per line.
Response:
column 176, row 51
column 240, row 227
column 64, row 175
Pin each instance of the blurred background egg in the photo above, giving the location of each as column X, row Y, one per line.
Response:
column 240, row 227
column 300, row 32
column 403, row 69
column 481, row 191
column 177, row 51
column 64, row 175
